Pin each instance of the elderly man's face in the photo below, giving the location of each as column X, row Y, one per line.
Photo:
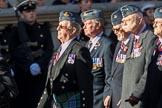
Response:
column 158, row 27
column 90, row 28
column 118, row 32
column 63, row 30
column 129, row 23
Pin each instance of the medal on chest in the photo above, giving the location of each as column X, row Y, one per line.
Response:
column 97, row 63
column 121, row 57
column 159, row 48
column 136, row 51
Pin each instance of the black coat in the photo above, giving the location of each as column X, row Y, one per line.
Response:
column 71, row 76
column 8, row 87
column 102, row 55
column 30, row 44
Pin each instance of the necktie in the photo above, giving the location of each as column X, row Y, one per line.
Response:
column 57, row 56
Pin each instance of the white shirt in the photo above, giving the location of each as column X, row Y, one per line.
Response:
column 94, row 41
column 64, row 46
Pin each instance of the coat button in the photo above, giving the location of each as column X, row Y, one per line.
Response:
column 83, row 98
column 64, row 81
column 41, row 35
column 45, row 92
column 41, row 98
column 82, row 91
column 5, row 40
column 63, row 87
column 66, row 74
column 42, row 45
column 83, row 105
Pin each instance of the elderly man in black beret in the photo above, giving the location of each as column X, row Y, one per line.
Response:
column 135, row 67
column 31, row 49
column 153, row 90
column 102, row 49
column 69, row 82
column 124, row 38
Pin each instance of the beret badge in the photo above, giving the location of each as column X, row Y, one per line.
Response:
column 160, row 10
column 66, row 14
column 115, row 16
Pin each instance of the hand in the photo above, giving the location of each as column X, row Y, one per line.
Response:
column 107, row 102
column 35, row 69
column 132, row 100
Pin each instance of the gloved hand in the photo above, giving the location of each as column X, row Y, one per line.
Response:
column 132, row 100
column 35, row 69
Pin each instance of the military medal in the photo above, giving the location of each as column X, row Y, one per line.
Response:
column 121, row 58
column 138, row 45
column 97, row 63
column 159, row 59
column 71, row 58
column 160, row 48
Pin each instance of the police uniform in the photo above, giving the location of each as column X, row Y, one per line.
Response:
column 4, row 43
column 135, row 67
column 30, row 44
column 69, row 80
column 102, row 49
column 153, row 89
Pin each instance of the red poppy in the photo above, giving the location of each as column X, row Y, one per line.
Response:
column 138, row 45
column 160, row 48
column 125, row 48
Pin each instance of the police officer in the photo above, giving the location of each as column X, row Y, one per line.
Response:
column 102, row 49
column 69, row 81
column 31, row 49
column 124, row 38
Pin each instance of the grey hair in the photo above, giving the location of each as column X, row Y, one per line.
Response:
column 78, row 27
column 99, row 20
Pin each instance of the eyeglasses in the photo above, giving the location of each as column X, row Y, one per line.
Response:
column 62, row 27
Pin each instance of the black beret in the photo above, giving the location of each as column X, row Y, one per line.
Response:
column 116, row 17
column 92, row 14
column 128, row 10
column 158, row 13
column 70, row 16
column 26, row 5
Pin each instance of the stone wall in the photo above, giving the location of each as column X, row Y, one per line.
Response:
column 50, row 13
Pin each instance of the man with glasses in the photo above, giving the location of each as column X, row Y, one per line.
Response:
column 69, row 82
column 135, row 67
column 124, row 38
column 31, row 48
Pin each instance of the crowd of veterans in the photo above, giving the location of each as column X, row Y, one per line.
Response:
column 88, row 69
